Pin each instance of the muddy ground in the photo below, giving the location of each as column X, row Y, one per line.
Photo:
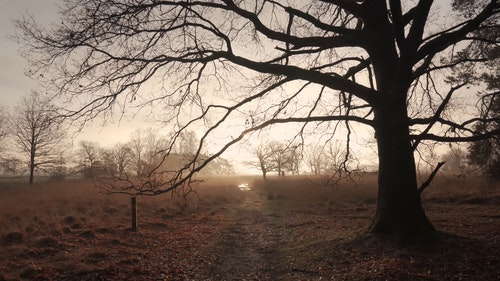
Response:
column 289, row 229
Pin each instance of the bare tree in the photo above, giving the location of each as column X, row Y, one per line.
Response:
column 137, row 151
column 275, row 156
column 3, row 126
column 89, row 154
column 7, row 164
column 264, row 161
column 324, row 65
column 295, row 158
column 3, row 133
column 116, row 161
column 11, row 165
column 456, row 162
column 145, row 150
column 330, row 163
column 284, row 157
column 186, row 143
column 315, row 159
column 121, row 156
column 37, row 134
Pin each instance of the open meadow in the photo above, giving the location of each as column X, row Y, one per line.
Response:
column 285, row 228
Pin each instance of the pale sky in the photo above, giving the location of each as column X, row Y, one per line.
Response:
column 13, row 83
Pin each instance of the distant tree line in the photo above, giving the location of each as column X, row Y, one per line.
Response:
column 331, row 162
column 141, row 155
column 33, row 142
column 279, row 157
column 328, row 161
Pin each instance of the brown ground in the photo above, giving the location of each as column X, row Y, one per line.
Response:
column 287, row 229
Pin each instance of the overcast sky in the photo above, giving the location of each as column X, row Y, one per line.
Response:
column 13, row 82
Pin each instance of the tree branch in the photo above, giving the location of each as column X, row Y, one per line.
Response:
column 446, row 39
column 293, row 72
column 430, row 178
column 353, row 38
column 437, row 113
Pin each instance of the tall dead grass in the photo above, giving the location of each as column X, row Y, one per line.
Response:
column 75, row 206
column 310, row 190
column 69, row 206
column 54, row 207
column 454, row 188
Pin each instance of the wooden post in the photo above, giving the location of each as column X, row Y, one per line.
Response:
column 133, row 203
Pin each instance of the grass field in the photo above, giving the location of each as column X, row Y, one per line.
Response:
column 286, row 228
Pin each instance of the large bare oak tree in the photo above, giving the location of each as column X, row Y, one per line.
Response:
column 322, row 64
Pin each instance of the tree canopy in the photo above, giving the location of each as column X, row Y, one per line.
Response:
column 485, row 154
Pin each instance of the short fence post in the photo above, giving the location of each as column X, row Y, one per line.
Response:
column 133, row 203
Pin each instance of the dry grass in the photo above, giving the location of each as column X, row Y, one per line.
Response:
column 63, row 206
column 459, row 189
column 68, row 231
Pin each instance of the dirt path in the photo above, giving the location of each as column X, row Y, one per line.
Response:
column 249, row 247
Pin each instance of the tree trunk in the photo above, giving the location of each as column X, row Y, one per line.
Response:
column 32, row 171
column 133, row 204
column 399, row 210
column 32, row 166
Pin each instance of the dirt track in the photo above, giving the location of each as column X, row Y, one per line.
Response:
column 309, row 242
column 249, row 247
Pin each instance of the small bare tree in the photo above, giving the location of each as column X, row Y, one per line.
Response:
column 275, row 156
column 145, row 146
column 284, row 157
column 137, row 151
column 89, row 154
column 37, row 134
column 3, row 134
column 263, row 163
column 456, row 162
column 146, row 161
column 120, row 154
column 187, row 143
column 3, row 126
column 315, row 159
column 218, row 167
column 330, row 163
